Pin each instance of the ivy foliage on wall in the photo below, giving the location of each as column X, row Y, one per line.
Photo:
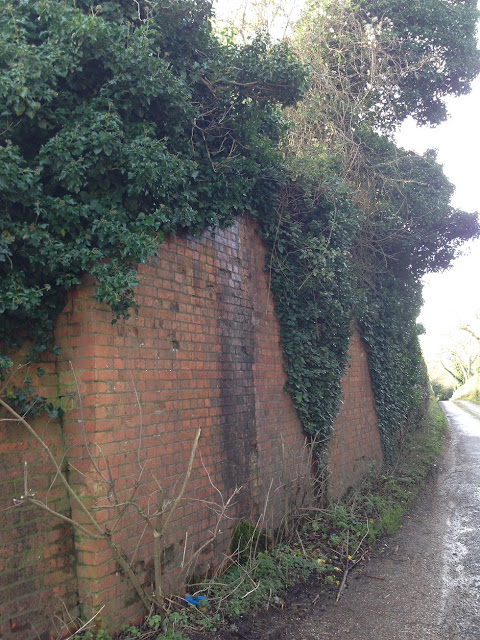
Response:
column 388, row 326
column 414, row 230
column 366, row 75
column 127, row 120
column 314, row 289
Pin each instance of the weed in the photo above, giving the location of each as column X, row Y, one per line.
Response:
column 101, row 634
column 342, row 534
column 248, row 540
column 244, row 588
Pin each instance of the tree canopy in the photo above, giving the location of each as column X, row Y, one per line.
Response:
column 394, row 59
column 434, row 43
column 371, row 65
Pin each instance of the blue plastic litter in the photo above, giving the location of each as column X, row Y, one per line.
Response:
column 196, row 601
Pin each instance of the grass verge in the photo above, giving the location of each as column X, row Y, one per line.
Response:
column 344, row 533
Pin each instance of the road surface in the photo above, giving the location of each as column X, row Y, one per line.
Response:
column 424, row 584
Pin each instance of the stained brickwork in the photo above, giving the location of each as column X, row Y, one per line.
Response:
column 201, row 350
column 37, row 568
column 355, row 446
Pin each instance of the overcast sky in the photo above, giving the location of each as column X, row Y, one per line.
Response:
column 452, row 297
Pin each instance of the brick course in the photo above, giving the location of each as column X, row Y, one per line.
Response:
column 201, row 350
column 355, row 446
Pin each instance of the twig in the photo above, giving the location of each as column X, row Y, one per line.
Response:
column 84, row 626
column 185, row 481
column 184, row 550
column 342, row 584
column 140, row 413
column 57, row 514
column 157, row 538
column 345, row 573
column 50, row 455
column 82, row 422
column 301, row 543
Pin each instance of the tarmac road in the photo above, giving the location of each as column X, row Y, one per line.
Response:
column 425, row 582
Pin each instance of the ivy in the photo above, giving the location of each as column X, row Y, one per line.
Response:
column 313, row 286
column 373, row 64
column 412, row 230
column 388, row 326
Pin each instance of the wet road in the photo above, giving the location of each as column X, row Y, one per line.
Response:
column 425, row 583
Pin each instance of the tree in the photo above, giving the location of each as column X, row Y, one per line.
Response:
column 250, row 17
column 461, row 358
column 410, row 227
column 435, row 42
column 394, row 59
column 343, row 126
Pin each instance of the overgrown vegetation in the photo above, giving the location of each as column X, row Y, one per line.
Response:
column 118, row 124
column 328, row 545
column 401, row 223
column 316, row 297
column 131, row 119
column 134, row 119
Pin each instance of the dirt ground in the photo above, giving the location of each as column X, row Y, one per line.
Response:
column 422, row 584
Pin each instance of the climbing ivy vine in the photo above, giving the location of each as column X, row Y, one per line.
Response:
column 411, row 231
column 313, row 286
column 367, row 75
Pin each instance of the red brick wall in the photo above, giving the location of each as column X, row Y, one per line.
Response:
column 355, row 446
column 200, row 351
column 37, row 564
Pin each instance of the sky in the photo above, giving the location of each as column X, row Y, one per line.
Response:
column 451, row 298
